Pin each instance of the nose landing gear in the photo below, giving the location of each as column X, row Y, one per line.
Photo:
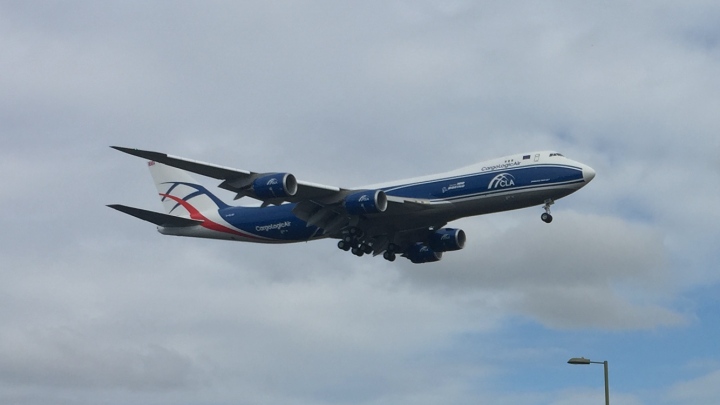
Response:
column 546, row 217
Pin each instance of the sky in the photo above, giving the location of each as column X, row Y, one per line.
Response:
column 98, row 307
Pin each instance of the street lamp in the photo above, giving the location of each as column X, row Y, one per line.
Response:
column 583, row 360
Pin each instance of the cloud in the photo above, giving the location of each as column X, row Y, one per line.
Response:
column 570, row 274
column 700, row 391
column 65, row 358
column 177, row 316
column 569, row 397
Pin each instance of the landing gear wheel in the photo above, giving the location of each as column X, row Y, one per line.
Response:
column 357, row 252
column 343, row 245
column 547, row 218
column 389, row 256
column 366, row 248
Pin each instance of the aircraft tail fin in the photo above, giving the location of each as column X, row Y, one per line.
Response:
column 180, row 194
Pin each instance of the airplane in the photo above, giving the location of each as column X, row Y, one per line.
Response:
column 405, row 217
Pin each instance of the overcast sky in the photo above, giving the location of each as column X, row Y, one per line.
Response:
column 97, row 307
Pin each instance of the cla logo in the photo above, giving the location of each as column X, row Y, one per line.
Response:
column 502, row 180
column 363, row 198
column 272, row 182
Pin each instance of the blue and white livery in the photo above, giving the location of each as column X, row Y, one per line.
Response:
column 406, row 217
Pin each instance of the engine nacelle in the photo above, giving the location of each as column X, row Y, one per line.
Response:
column 447, row 239
column 276, row 185
column 420, row 253
column 366, row 202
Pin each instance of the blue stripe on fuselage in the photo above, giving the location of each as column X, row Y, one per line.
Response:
column 280, row 224
column 476, row 184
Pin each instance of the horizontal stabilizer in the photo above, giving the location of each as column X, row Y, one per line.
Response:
column 156, row 218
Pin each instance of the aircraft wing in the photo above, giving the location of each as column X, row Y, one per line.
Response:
column 241, row 181
column 318, row 205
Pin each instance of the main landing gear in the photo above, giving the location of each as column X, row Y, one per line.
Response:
column 352, row 241
column 546, row 217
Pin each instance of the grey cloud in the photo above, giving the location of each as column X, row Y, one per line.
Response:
column 566, row 274
column 593, row 306
column 173, row 317
column 65, row 358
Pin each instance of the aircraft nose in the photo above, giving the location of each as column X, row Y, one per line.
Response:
column 588, row 174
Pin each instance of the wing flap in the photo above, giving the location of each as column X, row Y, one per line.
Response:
column 402, row 205
column 156, row 218
column 314, row 191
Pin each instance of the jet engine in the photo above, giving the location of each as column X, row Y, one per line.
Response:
column 420, row 253
column 276, row 185
column 366, row 202
column 447, row 239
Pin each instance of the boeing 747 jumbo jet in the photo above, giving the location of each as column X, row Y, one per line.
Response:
column 404, row 218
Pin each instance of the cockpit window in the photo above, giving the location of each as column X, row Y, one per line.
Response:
column 556, row 154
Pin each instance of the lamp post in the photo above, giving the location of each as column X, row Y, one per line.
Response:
column 583, row 360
